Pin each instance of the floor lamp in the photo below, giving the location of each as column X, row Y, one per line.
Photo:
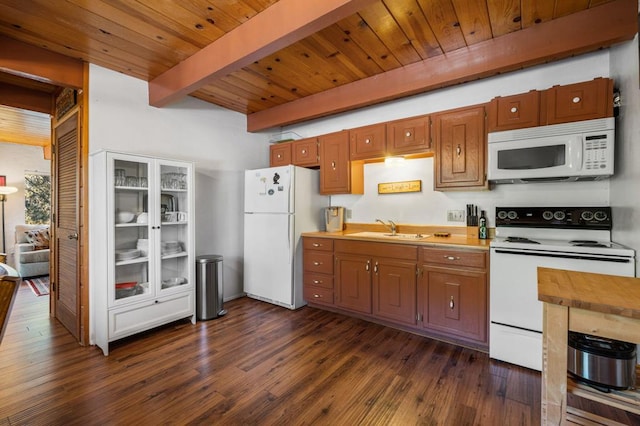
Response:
column 4, row 191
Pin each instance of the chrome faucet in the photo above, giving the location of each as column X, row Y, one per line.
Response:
column 391, row 226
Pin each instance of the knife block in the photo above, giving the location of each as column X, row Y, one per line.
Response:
column 472, row 232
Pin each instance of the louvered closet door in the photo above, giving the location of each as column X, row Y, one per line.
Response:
column 67, row 171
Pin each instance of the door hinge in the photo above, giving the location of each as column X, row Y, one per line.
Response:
column 418, row 271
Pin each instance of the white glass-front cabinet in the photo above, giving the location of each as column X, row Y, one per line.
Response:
column 142, row 266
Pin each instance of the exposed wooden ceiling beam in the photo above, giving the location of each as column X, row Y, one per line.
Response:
column 578, row 33
column 21, row 97
column 278, row 26
column 29, row 61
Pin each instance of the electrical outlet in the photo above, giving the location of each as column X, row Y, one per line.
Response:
column 455, row 215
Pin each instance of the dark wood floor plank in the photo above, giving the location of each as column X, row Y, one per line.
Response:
column 259, row 364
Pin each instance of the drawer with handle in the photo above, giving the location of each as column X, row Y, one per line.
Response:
column 318, row 262
column 323, row 244
column 473, row 259
column 313, row 294
column 318, row 280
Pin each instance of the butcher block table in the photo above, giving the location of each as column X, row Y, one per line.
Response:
column 596, row 304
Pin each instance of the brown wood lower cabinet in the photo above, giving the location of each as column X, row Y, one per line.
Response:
column 394, row 290
column 452, row 293
column 435, row 292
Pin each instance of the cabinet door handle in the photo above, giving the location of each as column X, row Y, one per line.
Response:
column 317, row 296
column 317, row 244
column 317, row 281
column 576, row 100
column 367, row 141
column 375, row 268
column 367, row 266
column 279, row 156
column 304, row 151
column 514, row 110
column 73, row 236
column 317, row 263
column 333, row 165
column 451, row 257
column 452, row 304
column 407, row 134
column 458, row 150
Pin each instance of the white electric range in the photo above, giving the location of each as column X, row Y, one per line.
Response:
column 571, row 238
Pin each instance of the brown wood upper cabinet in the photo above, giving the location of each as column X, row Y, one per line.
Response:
column 280, row 154
column 580, row 101
column 338, row 175
column 460, row 149
column 514, row 112
column 587, row 100
column 304, row 152
column 368, row 142
column 408, row 136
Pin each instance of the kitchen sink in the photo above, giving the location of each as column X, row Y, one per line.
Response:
column 388, row 235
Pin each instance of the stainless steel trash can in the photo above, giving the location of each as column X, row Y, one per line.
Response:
column 209, row 297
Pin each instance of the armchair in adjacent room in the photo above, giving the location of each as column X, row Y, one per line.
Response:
column 31, row 255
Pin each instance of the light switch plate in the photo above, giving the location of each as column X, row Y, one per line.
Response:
column 455, row 215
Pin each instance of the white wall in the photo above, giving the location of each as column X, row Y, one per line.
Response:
column 15, row 160
column 429, row 207
column 214, row 138
column 625, row 185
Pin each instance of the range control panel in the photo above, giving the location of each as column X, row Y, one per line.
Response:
column 555, row 217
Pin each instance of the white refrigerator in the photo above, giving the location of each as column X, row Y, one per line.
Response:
column 279, row 204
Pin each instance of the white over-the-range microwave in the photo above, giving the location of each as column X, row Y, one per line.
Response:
column 582, row 150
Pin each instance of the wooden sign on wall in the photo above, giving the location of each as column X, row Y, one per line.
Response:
column 400, row 187
column 67, row 100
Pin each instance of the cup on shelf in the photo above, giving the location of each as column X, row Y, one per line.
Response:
column 182, row 216
column 169, row 217
column 143, row 182
column 131, row 181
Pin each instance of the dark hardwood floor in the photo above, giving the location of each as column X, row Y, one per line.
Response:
column 259, row 364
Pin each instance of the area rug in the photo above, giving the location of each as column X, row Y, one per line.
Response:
column 39, row 285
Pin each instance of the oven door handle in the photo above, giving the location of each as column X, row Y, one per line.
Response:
column 617, row 259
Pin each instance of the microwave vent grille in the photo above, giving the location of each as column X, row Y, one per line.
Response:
column 600, row 124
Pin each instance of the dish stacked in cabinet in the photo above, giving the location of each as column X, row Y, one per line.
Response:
column 142, row 245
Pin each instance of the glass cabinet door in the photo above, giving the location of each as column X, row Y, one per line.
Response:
column 132, row 226
column 173, row 209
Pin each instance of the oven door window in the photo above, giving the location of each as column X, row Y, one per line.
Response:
column 540, row 157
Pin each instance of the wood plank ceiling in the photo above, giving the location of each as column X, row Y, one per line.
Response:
column 146, row 38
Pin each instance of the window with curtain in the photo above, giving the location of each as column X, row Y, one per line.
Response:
column 37, row 198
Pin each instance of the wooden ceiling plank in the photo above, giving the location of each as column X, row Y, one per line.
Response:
column 43, row 65
column 174, row 11
column 24, row 127
column 253, row 102
column 258, row 93
column 473, row 17
column 21, row 97
column 536, row 12
column 505, row 16
column 354, row 27
column 350, row 60
column 276, row 27
column 105, row 17
column 69, row 44
column 413, row 23
column 225, row 14
column 223, row 102
column 552, row 40
column 389, row 32
column 444, row 23
column 269, row 88
column 567, row 7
